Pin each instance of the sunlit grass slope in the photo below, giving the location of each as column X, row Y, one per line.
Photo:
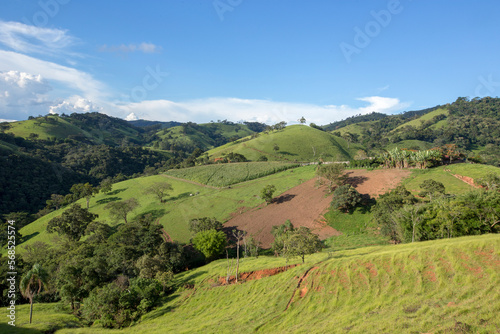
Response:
column 295, row 142
column 46, row 319
column 416, row 123
column 180, row 206
column 445, row 286
column 451, row 183
column 60, row 128
column 221, row 175
column 201, row 139
column 444, row 174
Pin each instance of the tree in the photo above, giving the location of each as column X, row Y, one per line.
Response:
column 121, row 209
column 55, row 201
column 491, row 181
column 280, row 233
column 32, row 283
column 106, row 185
column 276, row 148
column 72, row 223
column 301, row 242
column 267, row 193
column 84, row 190
column 431, row 188
column 334, row 173
column 210, row 242
column 302, row 120
column 345, row 198
column 159, row 190
column 203, row 224
column 410, row 217
column 238, row 235
column 387, row 205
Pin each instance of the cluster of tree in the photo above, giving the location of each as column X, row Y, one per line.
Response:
column 276, row 127
column 405, row 218
column 334, row 173
column 36, row 169
column 232, row 157
column 402, row 158
column 112, row 276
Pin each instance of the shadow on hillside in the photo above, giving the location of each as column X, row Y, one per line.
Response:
column 117, row 191
column 286, row 153
column 356, row 180
column 180, row 196
column 107, row 200
column 155, row 214
column 161, row 311
column 5, row 328
column 26, row 238
column 284, row 198
column 188, row 280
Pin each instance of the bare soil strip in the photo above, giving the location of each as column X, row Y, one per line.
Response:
column 305, row 205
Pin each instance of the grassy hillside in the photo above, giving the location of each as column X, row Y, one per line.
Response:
column 444, row 174
column 222, row 175
column 91, row 127
column 424, row 118
column 295, row 142
column 445, row 286
column 203, row 136
column 180, row 207
column 56, row 127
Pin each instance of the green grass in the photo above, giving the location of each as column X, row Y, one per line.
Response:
column 61, row 129
column 179, row 207
column 357, row 229
column 47, row 318
column 352, row 128
column 222, row 175
column 295, row 142
column 444, row 286
column 451, row 183
column 202, row 140
column 475, row 171
column 416, row 123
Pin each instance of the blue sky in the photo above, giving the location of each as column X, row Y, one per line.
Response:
column 252, row 60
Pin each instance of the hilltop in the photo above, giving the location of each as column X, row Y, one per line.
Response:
column 293, row 143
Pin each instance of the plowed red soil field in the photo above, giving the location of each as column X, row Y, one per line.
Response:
column 305, row 205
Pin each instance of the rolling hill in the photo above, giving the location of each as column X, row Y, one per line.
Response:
column 203, row 136
column 294, row 143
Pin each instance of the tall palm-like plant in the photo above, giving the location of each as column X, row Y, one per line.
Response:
column 32, row 283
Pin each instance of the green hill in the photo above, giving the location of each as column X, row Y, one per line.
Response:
column 92, row 128
column 444, row 286
column 202, row 136
column 186, row 201
column 428, row 119
column 295, row 143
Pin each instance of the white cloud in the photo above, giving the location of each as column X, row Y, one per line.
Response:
column 143, row 47
column 205, row 110
column 75, row 104
column 83, row 82
column 131, row 117
column 23, row 94
column 31, row 39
